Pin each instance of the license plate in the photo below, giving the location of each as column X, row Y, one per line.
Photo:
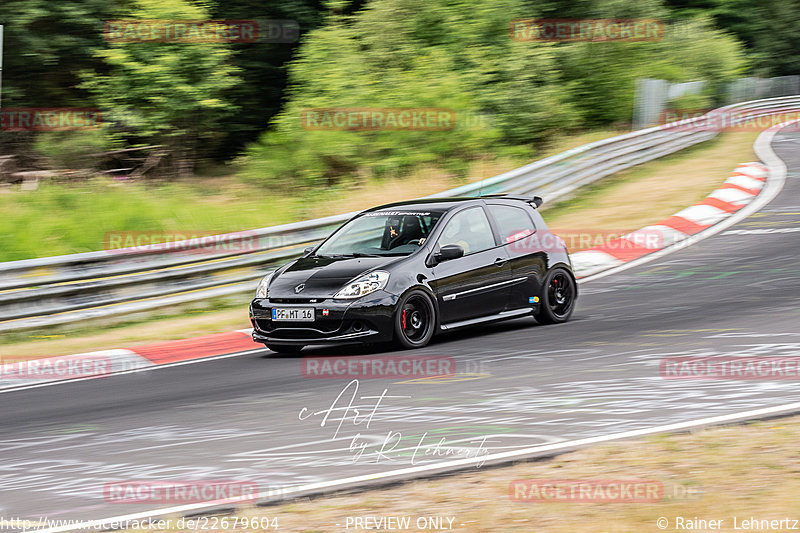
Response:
column 297, row 314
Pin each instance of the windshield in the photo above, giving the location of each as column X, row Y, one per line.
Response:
column 381, row 233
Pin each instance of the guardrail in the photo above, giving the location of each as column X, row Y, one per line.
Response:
column 36, row 293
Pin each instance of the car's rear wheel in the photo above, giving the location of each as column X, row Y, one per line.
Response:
column 558, row 297
column 284, row 348
column 414, row 321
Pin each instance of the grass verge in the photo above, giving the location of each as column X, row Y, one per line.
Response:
column 647, row 193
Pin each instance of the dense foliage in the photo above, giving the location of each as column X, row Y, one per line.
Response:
column 204, row 100
column 457, row 54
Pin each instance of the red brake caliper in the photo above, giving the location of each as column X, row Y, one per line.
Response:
column 403, row 318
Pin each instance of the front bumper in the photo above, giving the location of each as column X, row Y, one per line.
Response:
column 363, row 320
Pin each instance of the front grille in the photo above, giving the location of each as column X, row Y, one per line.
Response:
column 299, row 333
column 321, row 328
column 295, row 300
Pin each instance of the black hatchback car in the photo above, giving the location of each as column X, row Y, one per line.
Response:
column 402, row 272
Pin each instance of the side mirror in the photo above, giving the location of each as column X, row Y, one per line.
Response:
column 308, row 250
column 449, row 251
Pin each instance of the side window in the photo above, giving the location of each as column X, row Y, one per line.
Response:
column 469, row 229
column 513, row 223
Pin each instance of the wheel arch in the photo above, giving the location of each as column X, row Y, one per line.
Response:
column 566, row 267
column 427, row 290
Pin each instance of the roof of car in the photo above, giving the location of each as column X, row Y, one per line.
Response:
column 426, row 203
column 449, row 203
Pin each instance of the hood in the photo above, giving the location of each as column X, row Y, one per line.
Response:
column 323, row 277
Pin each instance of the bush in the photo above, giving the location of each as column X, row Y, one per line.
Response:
column 411, row 54
column 457, row 54
column 691, row 103
column 72, row 149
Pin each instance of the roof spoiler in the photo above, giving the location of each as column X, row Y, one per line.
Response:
column 535, row 201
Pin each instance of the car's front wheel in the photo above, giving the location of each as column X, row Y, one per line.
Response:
column 558, row 297
column 284, row 348
column 414, row 320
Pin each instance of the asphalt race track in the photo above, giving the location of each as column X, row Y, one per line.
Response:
column 518, row 385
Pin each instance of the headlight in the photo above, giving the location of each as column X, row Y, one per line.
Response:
column 261, row 291
column 364, row 285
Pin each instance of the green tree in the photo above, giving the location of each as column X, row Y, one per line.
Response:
column 602, row 76
column 173, row 94
column 770, row 29
column 46, row 45
column 262, row 67
column 412, row 53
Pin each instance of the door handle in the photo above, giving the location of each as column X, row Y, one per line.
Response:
column 500, row 261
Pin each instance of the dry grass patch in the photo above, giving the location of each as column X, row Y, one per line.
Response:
column 648, row 193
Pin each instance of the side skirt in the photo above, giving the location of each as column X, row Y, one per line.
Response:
column 491, row 318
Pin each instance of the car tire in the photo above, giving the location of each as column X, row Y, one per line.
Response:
column 557, row 301
column 284, row 348
column 414, row 320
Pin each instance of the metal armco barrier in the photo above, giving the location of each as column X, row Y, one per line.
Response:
column 36, row 293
